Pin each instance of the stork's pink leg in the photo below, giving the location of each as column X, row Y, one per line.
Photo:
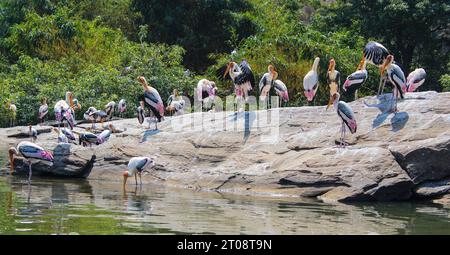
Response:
column 29, row 172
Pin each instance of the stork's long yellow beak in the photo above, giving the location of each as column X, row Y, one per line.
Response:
column 330, row 102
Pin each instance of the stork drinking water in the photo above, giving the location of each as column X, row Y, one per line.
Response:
column 136, row 166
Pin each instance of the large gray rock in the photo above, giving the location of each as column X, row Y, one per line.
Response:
column 227, row 152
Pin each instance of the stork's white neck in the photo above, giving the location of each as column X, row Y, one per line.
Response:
column 316, row 64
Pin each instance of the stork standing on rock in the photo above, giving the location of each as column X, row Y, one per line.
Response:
column 153, row 100
column 355, row 80
column 122, row 107
column 415, row 79
column 136, row 166
column 33, row 133
column 13, row 110
column 311, row 81
column 141, row 112
column 62, row 138
column 206, row 93
column 375, row 53
column 109, row 109
column 346, row 114
column 175, row 103
column 333, row 77
column 243, row 79
column 43, row 110
column 396, row 77
column 265, row 85
column 32, row 153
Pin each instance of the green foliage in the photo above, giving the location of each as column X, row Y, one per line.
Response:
column 200, row 26
column 60, row 52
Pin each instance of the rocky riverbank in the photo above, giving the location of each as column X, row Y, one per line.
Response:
column 288, row 152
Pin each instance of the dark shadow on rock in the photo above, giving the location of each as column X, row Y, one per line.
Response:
column 399, row 121
column 249, row 119
column 148, row 133
column 379, row 119
column 385, row 103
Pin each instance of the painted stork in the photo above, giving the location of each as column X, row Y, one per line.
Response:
column 333, row 77
column 141, row 112
column 105, row 135
column 136, row 166
column 311, row 81
column 13, row 109
column 346, row 114
column 63, row 110
column 69, row 134
column 206, row 93
column 93, row 115
column 175, row 103
column 243, row 79
column 122, row 107
column 43, row 110
column 62, row 138
column 33, row 153
column 396, row 77
column 266, row 84
column 109, row 109
column 33, row 133
column 375, row 53
column 355, row 80
column 86, row 138
column 153, row 100
column 282, row 91
column 415, row 79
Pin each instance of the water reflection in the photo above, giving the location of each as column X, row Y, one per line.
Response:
column 95, row 207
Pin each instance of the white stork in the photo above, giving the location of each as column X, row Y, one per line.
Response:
column 346, row 114
column 33, row 153
column 396, row 77
column 63, row 110
column 311, row 81
column 243, row 79
column 415, row 79
column 355, row 80
column 153, row 100
column 136, row 166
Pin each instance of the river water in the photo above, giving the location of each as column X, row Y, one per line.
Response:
column 52, row 206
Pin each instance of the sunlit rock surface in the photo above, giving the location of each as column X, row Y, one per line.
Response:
column 284, row 152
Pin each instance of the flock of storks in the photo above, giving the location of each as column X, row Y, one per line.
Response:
column 242, row 76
